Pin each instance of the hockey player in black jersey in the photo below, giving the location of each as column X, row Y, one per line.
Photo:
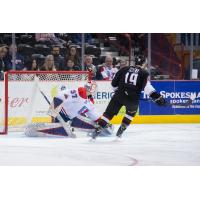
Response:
column 128, row 84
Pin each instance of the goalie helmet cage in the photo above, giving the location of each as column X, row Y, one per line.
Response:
column 22, row 102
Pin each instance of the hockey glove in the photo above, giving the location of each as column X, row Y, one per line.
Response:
column 158, row 99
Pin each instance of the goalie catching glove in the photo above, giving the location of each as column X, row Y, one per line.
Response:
column 158, row 99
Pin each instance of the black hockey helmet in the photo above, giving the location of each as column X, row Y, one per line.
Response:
column 139, row 60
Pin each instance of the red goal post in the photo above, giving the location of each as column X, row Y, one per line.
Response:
column 21, row 102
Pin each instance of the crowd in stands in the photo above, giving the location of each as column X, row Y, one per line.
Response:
column 55, row 52
column 49, row 51
column 62, row 52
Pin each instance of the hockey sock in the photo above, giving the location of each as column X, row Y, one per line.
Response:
column 104, row 121
column 127, row 119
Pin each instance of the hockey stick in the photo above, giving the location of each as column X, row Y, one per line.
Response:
column 60, row 119
column 187, row 103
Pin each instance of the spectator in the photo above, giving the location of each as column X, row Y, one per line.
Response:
column 3, row 52
column 32, row 65
column 73, row 55
column 48, row 64
column 107, row 71
column 58, row 59
column 88, row 66
column 19, row 59
column 71, row 66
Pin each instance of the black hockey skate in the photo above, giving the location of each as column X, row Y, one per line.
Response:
column 107, row 129
column 120, row 131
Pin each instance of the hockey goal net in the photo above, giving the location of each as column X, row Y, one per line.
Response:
column 21, row 101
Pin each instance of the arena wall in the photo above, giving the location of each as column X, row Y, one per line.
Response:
column 21, row 98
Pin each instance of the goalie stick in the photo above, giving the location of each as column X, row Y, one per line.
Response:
column 60, row 119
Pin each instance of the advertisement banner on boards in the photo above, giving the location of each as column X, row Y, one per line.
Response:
column 173, row 92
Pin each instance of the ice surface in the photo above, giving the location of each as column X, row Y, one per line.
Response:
column 150, row 145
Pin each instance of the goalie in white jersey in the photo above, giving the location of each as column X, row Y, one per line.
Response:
column 74, row 105
column 74, row 102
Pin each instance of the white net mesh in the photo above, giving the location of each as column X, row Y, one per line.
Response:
column 48, row 77
column 25, row 102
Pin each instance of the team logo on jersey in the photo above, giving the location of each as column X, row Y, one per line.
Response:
column 83, row 110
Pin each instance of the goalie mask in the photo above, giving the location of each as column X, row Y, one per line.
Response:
column 91, row 87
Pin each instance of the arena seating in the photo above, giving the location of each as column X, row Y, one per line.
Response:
column 26, row 49
column 29, row 47
column 42, row 49
column 93, row 50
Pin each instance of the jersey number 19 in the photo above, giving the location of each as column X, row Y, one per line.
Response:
column 131, row 78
